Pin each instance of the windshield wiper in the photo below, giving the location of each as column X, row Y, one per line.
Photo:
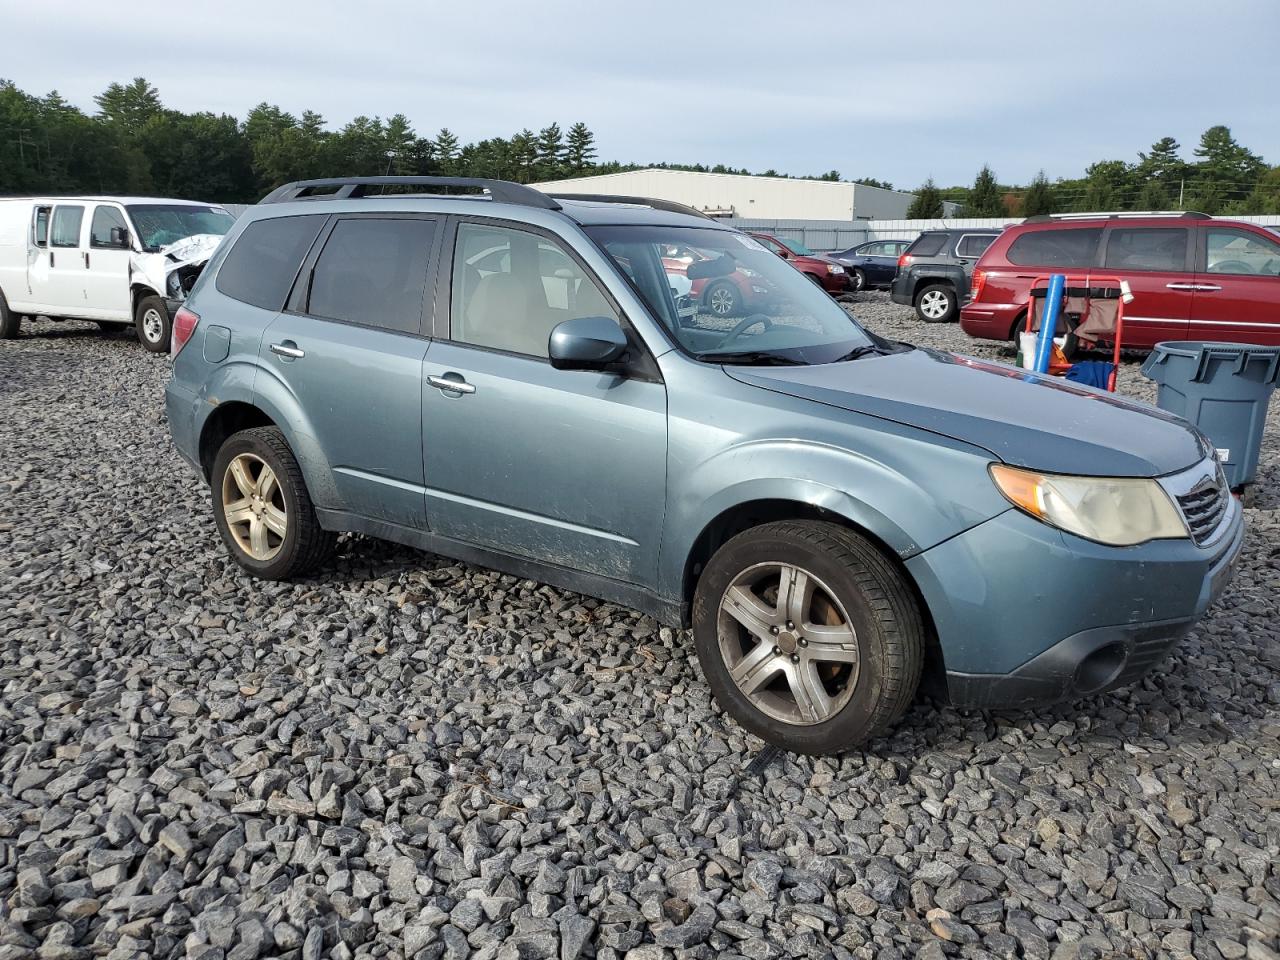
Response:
column 880, row 350
column 762, row 357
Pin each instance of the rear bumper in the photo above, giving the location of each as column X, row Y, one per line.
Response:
column 180, row 409
column 1027, row 615
column 900, row 289
column 989, row 321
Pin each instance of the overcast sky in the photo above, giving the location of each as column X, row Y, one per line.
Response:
column 895, row 90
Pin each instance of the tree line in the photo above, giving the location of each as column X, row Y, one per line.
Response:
column 134, row 144
column 1224, row 177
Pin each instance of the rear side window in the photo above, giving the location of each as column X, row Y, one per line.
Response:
column 373, row 272
column 974, row 244
column 40, row 226
column 927, row 245
column 66, row 226
column 261, row 266
column 1056, row 248
column 1151, row 248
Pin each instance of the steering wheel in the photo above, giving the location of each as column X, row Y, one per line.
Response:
column 1230, row 266
column 746, row 324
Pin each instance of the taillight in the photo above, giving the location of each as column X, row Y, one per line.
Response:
column 979, row 281
column 904, row 261
column 184, row 325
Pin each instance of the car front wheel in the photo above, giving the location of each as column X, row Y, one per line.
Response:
column 808, row 636
column 936, row 304
column 858, row 280
column 723, row 299
column 151, row 318
column 262, row 508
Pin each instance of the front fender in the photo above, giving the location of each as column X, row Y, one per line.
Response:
column 908, row 489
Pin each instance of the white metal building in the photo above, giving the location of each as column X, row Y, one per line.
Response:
column 732, row 195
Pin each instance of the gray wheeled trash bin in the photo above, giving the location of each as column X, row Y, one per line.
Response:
column 1223, row 388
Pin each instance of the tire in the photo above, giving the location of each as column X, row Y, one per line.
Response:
column 937, row 303
column 9, row 321
column 304, row 545
column 722, row 299
column 880, row 658
column 858, row 280
column 151, row 320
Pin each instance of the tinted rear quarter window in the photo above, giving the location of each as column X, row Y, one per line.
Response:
column 974, row 244
column 264, row 260
column 1147, row 248
column 1056, row 248
column 373, row 272
column 927, row 244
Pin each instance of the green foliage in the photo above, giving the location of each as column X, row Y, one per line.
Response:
column 1107, row 186
column 927, row 204
column 873, row 182
column 1039, row 198
column 984, row 198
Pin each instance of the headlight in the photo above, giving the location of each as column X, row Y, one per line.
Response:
column 834, row 268
column 1116, row 511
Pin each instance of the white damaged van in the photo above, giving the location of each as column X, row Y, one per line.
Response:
column 114, row 260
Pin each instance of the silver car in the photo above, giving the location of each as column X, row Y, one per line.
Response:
column 507, row 378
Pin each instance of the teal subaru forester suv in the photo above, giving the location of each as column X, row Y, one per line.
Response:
column 528, row 382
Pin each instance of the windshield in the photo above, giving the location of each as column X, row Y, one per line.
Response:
column 161, row 224
column 726, row 299
column 795, row 246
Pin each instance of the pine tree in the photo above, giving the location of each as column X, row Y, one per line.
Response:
column 1154, row 195
column 550, row 153
column 984, row 198
column 1106, row 187
column 131, row 105
column 1039, row 198
column 1163, row 162
column 580, row 149
column 1226, row 169
column 927, row 204
column 447, row 151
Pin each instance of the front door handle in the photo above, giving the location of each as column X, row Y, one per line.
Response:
column 86, row 259
column 1207, row 287
column 1180, row 286
column 288, row 349
column 452, row 383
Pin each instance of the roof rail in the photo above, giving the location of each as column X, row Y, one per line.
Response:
column 1119, row 215
column 668, row 205
column 502, row 191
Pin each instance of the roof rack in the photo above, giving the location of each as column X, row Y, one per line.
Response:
column 501, row 191
column 1119, row 215
column 668, row 205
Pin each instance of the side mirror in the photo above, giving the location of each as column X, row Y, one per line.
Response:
column 120, row 237
column 586, row 343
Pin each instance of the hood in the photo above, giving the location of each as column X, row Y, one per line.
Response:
column 817, row 257
column 1025, row 419
column 156, row 267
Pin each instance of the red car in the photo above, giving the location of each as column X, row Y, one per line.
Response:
column 825, row 272
column 1193, row 277
column 742, row 292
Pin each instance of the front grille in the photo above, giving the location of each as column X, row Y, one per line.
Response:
column 1204, row 506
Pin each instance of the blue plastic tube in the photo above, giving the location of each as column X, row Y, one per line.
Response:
column 1049, row 322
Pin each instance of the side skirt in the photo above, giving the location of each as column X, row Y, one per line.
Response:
column 672, row 613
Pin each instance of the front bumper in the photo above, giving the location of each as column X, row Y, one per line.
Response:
column 1028, row 615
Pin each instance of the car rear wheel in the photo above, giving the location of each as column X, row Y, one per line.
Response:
column 722, row 299
column 262, row 508
column 9, row 321
column 936, row 304
column 151, row 318
column 858, row 280
column 807, row 635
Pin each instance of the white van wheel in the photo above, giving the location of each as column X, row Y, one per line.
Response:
column 151, row 318
column 9, row 321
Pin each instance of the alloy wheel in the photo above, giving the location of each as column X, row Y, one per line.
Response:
column 788, row 643
column 254, row 507
column 934, row 305
column 722, row 301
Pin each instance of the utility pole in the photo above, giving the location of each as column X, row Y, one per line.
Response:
column 1182, row 184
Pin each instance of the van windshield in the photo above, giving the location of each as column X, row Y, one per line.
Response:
column 727, row 299
column 159, row 225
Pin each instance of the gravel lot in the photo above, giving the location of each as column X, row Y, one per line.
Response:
column 407, row 756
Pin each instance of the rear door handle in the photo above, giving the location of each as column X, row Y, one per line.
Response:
column 86, row 259
column 288, row 349
column 454, row 384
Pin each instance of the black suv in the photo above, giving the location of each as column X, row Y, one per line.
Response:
column 934, row 273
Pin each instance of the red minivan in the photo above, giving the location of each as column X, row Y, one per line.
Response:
column 1194, row 277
